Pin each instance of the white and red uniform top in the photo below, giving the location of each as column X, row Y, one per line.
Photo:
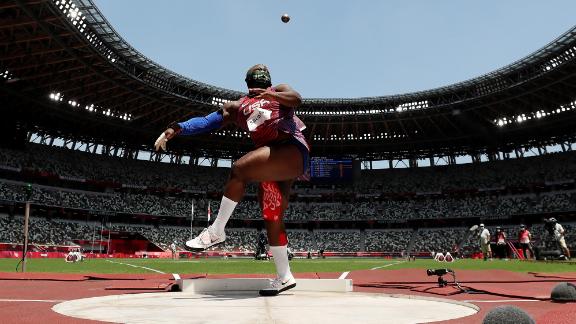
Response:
column 264, row 119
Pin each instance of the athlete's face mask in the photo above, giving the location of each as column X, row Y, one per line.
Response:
column 258, row 78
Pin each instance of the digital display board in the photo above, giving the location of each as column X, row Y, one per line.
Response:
column 330, row 169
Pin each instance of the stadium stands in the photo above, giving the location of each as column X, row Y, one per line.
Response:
column 96, row 184
column 394, row 210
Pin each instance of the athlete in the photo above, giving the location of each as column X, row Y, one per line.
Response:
column 280, row 156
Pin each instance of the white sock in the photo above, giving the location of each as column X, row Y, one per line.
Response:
column 226, row 208
column 280, row 254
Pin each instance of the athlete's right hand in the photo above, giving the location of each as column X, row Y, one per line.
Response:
column 163, row 138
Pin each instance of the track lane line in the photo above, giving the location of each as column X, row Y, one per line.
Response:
column 388, row 265
column 135, row 266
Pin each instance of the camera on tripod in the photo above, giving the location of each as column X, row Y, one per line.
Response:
column 549, row 225
column 440, row 272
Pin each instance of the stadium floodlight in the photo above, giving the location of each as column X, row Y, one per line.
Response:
column 56, row 96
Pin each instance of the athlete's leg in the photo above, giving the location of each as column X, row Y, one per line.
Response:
column 273, row 198
column 275, row 163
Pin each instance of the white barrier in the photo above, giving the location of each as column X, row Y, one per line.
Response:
column 440, row 257
column 255, row 284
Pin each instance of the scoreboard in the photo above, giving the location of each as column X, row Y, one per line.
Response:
column 330, row 169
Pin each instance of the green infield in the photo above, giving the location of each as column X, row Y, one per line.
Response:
column 245, row 266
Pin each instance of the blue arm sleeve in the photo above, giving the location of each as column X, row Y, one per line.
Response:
column 200, row 125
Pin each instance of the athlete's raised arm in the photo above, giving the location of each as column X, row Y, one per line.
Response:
column 283, row 93
column 199, row 125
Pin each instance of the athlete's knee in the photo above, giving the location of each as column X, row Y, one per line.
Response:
column 240, row 171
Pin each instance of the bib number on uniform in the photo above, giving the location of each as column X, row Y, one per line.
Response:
column 257, row 118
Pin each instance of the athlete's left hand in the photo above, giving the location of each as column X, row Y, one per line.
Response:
column 160, row 143
column 163, row 138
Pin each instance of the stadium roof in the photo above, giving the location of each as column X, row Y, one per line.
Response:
column 64, row 70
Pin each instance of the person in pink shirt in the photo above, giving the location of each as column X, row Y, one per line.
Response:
column 524, row 239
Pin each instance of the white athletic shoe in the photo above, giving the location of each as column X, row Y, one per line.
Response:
column 205, row 240
column 277, row 286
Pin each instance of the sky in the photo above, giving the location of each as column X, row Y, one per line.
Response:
column 337, row 48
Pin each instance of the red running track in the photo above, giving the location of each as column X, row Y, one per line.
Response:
column 28, row 298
